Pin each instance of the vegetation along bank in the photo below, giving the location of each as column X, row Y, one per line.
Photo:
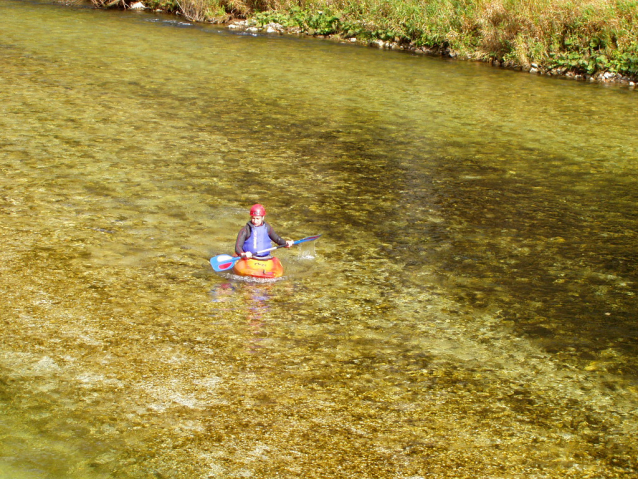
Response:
column 595, row 40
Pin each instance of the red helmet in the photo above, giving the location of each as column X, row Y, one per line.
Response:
column 258, row 210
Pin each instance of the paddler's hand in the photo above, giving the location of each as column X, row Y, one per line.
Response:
column 247, row 255
column 289, row 243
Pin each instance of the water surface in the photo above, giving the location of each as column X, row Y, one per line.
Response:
column 468, row 312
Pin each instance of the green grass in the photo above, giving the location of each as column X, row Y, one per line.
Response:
column 579, row 36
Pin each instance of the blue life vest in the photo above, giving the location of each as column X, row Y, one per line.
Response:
column 258, row 239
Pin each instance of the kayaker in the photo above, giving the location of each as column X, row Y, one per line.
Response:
column 257, row 235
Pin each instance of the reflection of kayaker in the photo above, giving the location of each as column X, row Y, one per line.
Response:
column 253, row 241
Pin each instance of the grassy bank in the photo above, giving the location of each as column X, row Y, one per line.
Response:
column 587, row 38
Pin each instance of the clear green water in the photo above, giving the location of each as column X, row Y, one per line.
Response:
column 470, row 310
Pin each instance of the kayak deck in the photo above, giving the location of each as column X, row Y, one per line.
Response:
column 259, row 268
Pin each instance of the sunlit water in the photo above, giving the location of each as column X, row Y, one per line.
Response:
column 470, row 310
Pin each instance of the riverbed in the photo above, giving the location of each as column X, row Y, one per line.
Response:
column 469, row 311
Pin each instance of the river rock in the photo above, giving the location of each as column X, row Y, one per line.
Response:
column 240, row 24
column 137, row 6
column 274, row 28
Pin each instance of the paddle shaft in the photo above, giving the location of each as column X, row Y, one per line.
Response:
column 303, row 240
column 224, row 262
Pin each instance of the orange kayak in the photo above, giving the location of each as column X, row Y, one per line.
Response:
column 259, row 268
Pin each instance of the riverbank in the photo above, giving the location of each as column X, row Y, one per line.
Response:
column 592, row 40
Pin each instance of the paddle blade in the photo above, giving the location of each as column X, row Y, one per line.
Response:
column 223, row 262
column 309, row 238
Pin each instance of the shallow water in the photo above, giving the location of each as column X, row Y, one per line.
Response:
column 469, row 311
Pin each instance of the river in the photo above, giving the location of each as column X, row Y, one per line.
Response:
column 469, row 311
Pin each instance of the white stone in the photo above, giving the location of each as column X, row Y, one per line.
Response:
column 274, row 28
column 137, row 6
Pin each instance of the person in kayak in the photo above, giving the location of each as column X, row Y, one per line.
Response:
column 257, row 235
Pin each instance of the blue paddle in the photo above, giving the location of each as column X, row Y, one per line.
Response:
column 225, row 262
